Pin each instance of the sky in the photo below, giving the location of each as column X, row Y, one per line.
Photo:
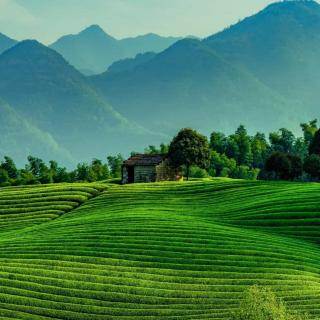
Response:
column 47, row 20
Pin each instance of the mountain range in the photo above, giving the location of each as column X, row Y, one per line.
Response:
column 92, row 50
column 262, row 72
column 53, row 101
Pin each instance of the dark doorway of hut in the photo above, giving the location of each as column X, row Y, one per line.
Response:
column 131, row 174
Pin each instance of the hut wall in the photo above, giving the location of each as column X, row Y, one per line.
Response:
column 124, row 175
column 145, row 174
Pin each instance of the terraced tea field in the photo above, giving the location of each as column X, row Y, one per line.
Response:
column 156, row 251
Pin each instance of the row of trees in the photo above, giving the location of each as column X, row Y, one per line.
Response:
column 239, row 155
column 37, row 171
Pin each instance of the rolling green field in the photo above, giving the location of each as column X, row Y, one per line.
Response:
column 156, row 251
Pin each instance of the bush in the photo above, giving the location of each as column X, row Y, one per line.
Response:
column 261, row 303
column 196, row 172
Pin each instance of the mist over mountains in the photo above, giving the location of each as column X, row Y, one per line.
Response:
column 263, row 72
column 92, row 50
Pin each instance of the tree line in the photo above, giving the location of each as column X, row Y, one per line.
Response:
column 37, row 171
column 280, row 156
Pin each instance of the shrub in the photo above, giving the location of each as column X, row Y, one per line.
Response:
column 261, row 303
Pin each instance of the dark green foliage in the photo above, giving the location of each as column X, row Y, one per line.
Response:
column 4, row 177
column 279, row 164
column 296, row 166
column 314, row 147
column 189, row 148
column 221, row 165
column 284, row 166
column 312, row 166
column 100, row 170
column 163, row 149
column 309, row 130
column 218, row 142
column 9, row 166
column 282, row 141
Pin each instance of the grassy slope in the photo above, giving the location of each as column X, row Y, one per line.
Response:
column 164, row 251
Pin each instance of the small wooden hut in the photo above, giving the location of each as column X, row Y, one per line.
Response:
column 147, row 168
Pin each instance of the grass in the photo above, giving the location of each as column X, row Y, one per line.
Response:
column 156, row 251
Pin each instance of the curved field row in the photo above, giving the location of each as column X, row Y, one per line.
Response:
column 163, row 251
column 22, row 207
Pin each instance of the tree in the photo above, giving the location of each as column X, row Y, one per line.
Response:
column 312, row 166
column 189, row 148
column 282, row 141
column 261, row 303
column 4, row 177
column 244, row 146
column 296, row 166
column 9, row 165
column 260, row 150
column 115, row 164
column 221, row 165
column 285, row 166
column 314, row 147
column 279, row 163
column 100, row 170
column 85, row 173
column 309, row 130
column 218, row 142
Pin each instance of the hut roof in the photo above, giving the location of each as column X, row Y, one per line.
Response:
column 145, row 160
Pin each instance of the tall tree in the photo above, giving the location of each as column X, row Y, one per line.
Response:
column 314, row 147
column 189, row 148
column 218, row 142
column 242, row 139
column 9, row 165
column 115, row 163
column 260, row 150
column 282, row 141
column 309, row 130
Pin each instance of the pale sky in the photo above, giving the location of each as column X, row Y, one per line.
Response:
column 47, row 20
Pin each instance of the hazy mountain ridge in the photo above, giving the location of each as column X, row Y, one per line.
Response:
column 6, row 42
column 93, row 50
column 263, row 56
column 57, row 99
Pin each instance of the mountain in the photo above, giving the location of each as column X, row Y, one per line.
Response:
column 281, row 47
column 131, row 63
column 20, row 138
column 93, row 51
column 6, row 42
column 262, row 72
column 57, row 99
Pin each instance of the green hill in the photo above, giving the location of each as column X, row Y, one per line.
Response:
column 158, row 251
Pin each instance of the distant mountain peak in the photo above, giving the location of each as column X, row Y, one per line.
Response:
column 95, row 30
column 29, row 47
